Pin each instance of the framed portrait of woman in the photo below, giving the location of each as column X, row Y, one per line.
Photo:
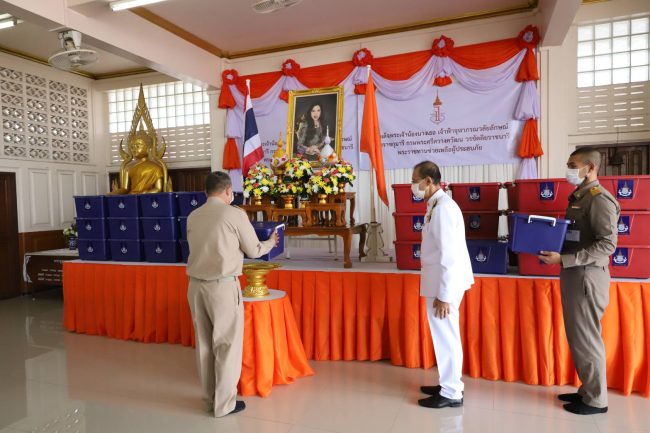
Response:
column 315, row 123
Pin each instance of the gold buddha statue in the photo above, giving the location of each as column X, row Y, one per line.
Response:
column 142, row 170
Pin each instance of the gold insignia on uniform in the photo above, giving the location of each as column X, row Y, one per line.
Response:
column 595, row 190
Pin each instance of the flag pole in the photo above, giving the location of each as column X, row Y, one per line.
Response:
column 375, row 241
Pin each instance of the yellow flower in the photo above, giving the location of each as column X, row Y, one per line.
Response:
column 328, row 190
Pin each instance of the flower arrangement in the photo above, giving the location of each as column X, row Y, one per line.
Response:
column 343, row 173
column 71, row 231
column 323, row 183
column 298, row 169
column 259, row 181
column 288, row 188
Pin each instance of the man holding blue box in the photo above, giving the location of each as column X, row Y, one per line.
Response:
column 584, row 278
column 446, row 275
column 218, row 236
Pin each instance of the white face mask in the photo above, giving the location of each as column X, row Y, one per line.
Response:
column 573, row 176
column 417, row 192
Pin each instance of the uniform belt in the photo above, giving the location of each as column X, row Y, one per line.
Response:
column 218, row 280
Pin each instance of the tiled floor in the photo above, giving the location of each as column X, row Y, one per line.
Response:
column 53, row 381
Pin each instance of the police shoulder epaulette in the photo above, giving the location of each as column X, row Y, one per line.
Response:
column 595, row 191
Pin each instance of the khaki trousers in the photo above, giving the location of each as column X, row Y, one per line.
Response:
column 218, row 316
column 585, row 295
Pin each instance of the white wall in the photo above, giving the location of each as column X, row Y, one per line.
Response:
column 558, row 126
column 45, row 189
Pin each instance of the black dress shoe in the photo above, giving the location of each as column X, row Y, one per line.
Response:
column 581, row 408
column 432, row 390
column 438, row 402
column 239, row 406
column 573, row 397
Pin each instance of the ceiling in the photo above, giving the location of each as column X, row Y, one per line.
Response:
column 230, row 28
column 36, row 43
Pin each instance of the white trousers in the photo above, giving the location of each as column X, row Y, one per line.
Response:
column 448, row 349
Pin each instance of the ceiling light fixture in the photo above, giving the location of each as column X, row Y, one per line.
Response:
column 121, row 5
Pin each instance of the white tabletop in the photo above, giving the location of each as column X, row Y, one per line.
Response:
column 273, row 295
column 60, row 252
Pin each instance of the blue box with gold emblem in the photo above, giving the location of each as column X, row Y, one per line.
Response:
column 126, row 250
column 264, row 229
column 162, row 204
column 534, row 233
column 163, row 229
column 162, row 251
column 488, row 256
column 123, row 206
column 189, row 201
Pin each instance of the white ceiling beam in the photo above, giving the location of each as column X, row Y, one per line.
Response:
column 556, row 19
column 124, row 34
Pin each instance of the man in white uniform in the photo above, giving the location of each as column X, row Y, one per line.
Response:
column 446, row 275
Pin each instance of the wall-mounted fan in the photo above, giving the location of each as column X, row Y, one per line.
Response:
column 72, row 56
column 267, row 6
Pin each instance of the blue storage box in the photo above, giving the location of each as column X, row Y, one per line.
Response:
column 90, row 206
column 92, row 228
column 264, row 229
column 93, row 249
column 182, row 224
column 126, row 250
column 162, row 229
column 534, row 233
column 123, row 206
column 188, row 201
column 185, row 251
column 158, row 205
column 124, row 228
column 488, row 256
column 161, row 251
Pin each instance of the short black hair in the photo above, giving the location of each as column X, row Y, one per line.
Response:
column 588, row 155
column 429, row 169
column 217, row 182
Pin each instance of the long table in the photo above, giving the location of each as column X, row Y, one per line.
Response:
column 512, row 327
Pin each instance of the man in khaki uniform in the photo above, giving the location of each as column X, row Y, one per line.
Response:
column 218, row 235
column 584, row 278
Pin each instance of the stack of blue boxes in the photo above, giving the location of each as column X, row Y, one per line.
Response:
column 92, row 228
column 187, row 202
column 124, row 230
column 135, row 228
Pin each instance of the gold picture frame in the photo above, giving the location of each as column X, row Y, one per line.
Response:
column 306, row 125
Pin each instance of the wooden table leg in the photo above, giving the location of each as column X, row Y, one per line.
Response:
column 353, row 202
column 362, row 241
column 347, row 244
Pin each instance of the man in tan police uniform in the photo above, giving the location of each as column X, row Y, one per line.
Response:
column 584, row 279
column 218, row 235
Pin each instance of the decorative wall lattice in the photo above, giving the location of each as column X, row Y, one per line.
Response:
column 43, row 119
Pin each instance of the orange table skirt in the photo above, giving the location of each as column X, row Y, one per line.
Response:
column 512, row 328
column 149, row 304
column 273, row 353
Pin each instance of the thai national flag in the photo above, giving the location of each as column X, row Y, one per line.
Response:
column 253, row 151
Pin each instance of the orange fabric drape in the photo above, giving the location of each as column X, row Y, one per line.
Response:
column 273, row 353
column 396, row 67
column 370, row 140
column 512, row 328
column 485, row 55
column 231, row 160
column 530, row 146
column 528, row 68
